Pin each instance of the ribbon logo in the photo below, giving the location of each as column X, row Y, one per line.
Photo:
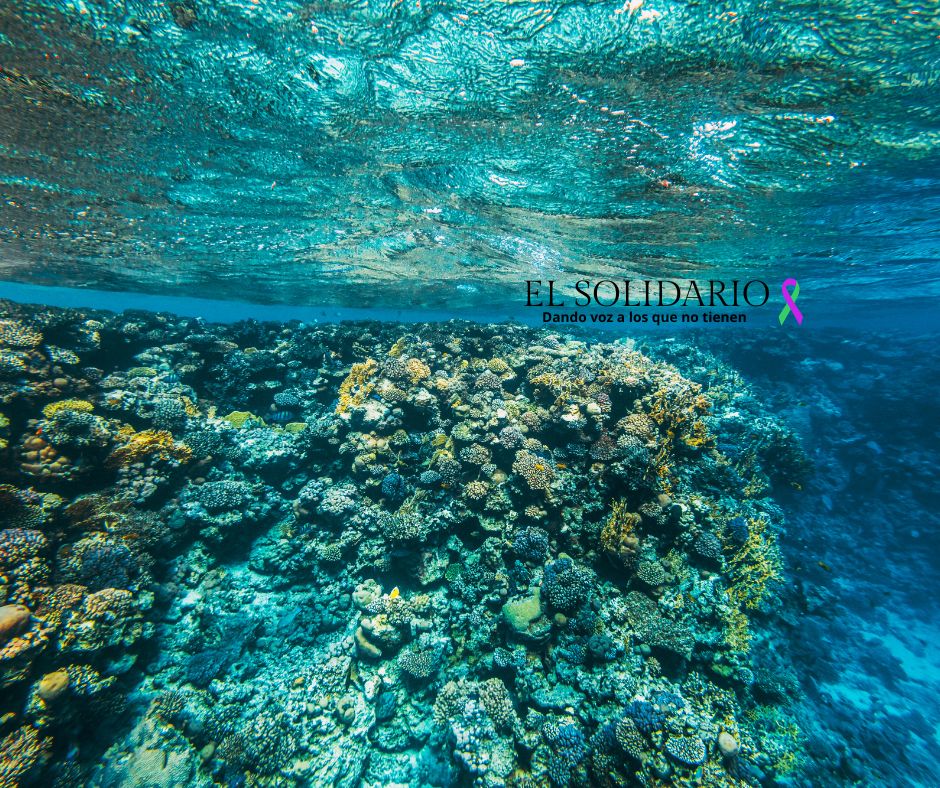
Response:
column 791, row 301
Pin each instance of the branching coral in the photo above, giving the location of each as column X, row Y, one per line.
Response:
column 20, row 752
column 619, row 538
column 753, row 569
column 140, row 446
column 357, row 386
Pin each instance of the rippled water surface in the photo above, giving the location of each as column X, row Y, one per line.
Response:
column 344, row 152
column 258, row 545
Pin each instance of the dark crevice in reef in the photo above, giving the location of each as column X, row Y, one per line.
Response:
column 375, row 553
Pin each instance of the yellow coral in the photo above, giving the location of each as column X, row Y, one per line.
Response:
column 737, row 633
column 141, row 445
column 498, row 366
column 755, row 566
column 190, row 407
column 20, row 752
column 78, row 405
column 239, row 418
column 752, row 570
column 357, row 386
column 15, row 334
column 619, row 538
column 417, row 370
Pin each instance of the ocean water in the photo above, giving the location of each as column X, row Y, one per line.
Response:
column 305, row 482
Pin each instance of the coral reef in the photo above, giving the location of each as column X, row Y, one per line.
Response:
column 453, row 555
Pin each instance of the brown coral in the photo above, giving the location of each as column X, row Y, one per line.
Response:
column 140, row 446
column 39, row 458
column 619, row 538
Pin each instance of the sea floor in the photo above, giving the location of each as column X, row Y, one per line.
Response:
column 451, row 554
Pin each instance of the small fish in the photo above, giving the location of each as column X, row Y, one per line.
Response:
column 824, row 565
column 281, row 416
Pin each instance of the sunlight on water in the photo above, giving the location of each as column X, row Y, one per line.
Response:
column 344, row 152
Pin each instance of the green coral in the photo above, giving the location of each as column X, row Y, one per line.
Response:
column 242, row 418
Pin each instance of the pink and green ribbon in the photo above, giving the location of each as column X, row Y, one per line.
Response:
column 791, row 301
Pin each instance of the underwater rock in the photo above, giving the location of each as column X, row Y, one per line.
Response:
column 526, row 619
column 53, row 685
column 13, row 618
column 728, row 745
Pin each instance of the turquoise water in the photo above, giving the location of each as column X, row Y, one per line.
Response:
column 296, row 490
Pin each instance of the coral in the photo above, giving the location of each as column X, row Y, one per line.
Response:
column 40, row 459
column 475, row 454
column 619, row 537
column 568, row 750
column 287, row 400
column 405, row 525
column 630, row 739
column 136, row 447
column 15, row 334
column 708, row 546
column 536, row 471
column 110, row 617
column 13, row 619
column 73, row 405
column 476, row 490
column 728, row 746
column 492, row 511
column 264, row 745
column 19, row 545
column 417, row 370
column 53, row 685
column 419, row 663
column 98, row 562
column 480, row 744
column 20, row 753
column 737, row 531
column 525, row 618
column 488, row 381
column 19, row 652
column 645, row 716
column 755, row 567
column 394, row 488
column 566, row 585
column 242, row 418
column 77, row 430
column 687, row 750
column 357, row 386
column 651, row 573
column 531, row 544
